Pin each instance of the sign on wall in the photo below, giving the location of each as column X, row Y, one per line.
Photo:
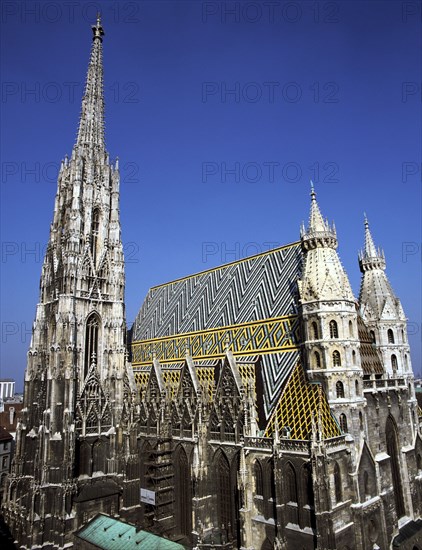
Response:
column 148, row 497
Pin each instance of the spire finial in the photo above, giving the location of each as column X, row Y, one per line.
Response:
column 313, row 194
column 365, row 217
column 98, row 29
column 91, row 123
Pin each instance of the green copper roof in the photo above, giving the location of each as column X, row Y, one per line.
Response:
column 112, row 534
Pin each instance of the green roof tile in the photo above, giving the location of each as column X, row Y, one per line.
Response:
column 112, row 534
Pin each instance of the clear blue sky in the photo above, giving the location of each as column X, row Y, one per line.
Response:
column 321, row 90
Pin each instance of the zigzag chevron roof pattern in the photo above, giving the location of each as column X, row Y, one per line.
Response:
column 257, row 288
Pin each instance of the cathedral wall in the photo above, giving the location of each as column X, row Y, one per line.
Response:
column 370, row 528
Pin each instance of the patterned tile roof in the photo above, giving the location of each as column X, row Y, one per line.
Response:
column 246, row 306
column 112, row 534
column 300, row 403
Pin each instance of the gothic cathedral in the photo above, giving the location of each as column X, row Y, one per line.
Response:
column 256, row 405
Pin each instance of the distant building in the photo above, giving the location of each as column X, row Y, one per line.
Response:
column 6, row 448
column 10, row 405
column 9, row 414
column 7, row 388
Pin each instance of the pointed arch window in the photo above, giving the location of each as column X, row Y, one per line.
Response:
column 394, row 362
column 343, row 423
column 333, row 329
column 336, row 359
column 393, row 451
column 99, row 457
column 337, row 483
column 308, row 493
column 91, row 341
column 366, row 487
column 95, row 230
column 317, row 360
column 291, row 484
column 83, row 463
column 419, row 461
column 339, row 390
column 183, row 492
column 53, row 329
column 223, row 491
column 351, row 329
column 315, row 334
column 390, row 336
column 354, row 357
column 259, row 486
column 372, row 335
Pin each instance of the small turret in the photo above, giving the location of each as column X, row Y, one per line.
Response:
column 370, row 257
column 319, row 232
column 331, row 347
column 382, row 310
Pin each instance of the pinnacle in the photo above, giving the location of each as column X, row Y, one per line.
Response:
column 91, row 124
column 370, row 250
column 319, row 232
column 370, row 257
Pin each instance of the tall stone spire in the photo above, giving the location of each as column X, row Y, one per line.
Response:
column 76, row 434
column 375, row 290
column 316, row 221
column 319, row 232
column 327, row 309
column 381, row 309
column 323, row 274
column 370, row 257
column 91, row 124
